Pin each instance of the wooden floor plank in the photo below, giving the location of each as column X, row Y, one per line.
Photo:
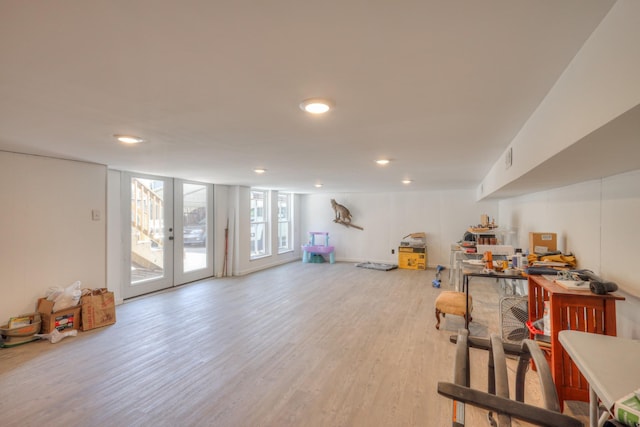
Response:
column 296, row 345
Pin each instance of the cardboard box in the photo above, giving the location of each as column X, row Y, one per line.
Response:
column 627, row 410
column 61, row 320
column 98, row 308
column 540, row 243
column 414, row 240
column 412, row 258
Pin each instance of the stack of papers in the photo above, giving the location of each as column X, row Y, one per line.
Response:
column 573, row 284
column 549, row 264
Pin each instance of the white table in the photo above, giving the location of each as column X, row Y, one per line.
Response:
column 610, row 365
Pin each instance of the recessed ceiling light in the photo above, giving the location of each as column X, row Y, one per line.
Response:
column 128, row 139
column 318, row 185
column 259, row 171
column 382, row 162
column 406, row 181
column 316, row 105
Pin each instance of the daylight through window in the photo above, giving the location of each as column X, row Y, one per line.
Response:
column 259, row 223
column 285, row 222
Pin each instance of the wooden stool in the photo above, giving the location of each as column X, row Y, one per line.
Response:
column 450, row 302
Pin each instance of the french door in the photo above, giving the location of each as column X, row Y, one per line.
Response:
column 168, row 232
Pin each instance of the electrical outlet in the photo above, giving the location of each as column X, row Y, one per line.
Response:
column 95, row 214
column 393, row 251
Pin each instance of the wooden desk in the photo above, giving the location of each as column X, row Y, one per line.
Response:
column 570, row 310
column 608, row 363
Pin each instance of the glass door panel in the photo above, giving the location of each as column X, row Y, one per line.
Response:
column 194, row 211
column 150, row 236
column 194, row 249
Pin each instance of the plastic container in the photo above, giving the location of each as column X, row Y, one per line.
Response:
column 23, row 333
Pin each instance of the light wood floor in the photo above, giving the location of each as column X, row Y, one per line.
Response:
column 296, row 345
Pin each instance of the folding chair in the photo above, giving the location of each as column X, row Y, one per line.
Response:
column 496, row 399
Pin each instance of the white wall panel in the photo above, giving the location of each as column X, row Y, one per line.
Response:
column 115, row 247
column 388, row 217
column 621, row 230
column 598, row 222
column 48, row 235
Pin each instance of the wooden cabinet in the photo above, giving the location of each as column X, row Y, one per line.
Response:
column 575, row 310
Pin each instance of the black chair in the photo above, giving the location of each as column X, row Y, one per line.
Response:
column 496, row 398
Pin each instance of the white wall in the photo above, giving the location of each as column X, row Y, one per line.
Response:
column 600, row 84
column 115, row 246
column 388, row 217
column 598, row 222
column 48, row 235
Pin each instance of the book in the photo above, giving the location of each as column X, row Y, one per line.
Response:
column 19, row 321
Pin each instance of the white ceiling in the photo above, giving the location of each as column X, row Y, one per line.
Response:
column 439, row 87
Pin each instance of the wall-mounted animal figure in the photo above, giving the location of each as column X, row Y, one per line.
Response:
column 342, row 213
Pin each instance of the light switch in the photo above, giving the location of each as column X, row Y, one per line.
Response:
column 95, row 214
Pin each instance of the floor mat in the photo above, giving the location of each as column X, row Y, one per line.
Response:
column 377, row 266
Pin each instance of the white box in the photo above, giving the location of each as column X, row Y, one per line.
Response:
column 496, row 249
column 627, row 410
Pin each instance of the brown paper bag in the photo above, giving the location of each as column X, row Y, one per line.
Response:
column 98, row 308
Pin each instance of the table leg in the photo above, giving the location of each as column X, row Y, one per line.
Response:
column 459, row 274
column 595, row 419
column 452, row 257
column 593, row 408
column 466, row 312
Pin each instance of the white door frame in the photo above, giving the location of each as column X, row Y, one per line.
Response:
column 173, row 241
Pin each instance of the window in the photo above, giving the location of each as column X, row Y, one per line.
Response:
column 285, row 224
column 259, row 223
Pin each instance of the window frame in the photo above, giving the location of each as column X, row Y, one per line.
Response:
column 288, row 221
column 265, row 221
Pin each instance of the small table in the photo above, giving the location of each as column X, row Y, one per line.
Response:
column 481, row 273
column 458, row 257
column 609, row 364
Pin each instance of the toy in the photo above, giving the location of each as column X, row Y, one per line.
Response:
column 437, row 280
column 314, row 253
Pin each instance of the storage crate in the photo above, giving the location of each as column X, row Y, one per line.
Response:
column 22, row 333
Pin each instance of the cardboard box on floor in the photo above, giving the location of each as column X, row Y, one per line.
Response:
column 98, row 308
column 412, row 252
column 412, row 258
column 62, row 320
